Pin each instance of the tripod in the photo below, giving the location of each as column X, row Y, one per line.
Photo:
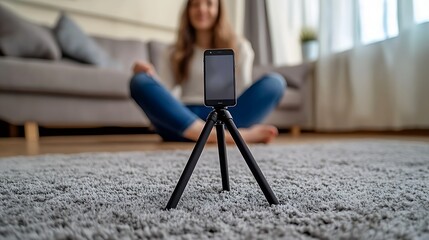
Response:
column 221, row 116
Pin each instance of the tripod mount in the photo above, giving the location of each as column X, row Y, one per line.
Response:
column 221, row 117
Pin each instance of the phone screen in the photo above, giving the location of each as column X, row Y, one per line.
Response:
column 219, row 81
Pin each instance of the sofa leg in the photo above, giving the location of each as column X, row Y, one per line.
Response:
column 296, row 130
column 31, row 132
column 32, row 137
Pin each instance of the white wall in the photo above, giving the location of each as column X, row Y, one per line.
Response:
column 136, row 19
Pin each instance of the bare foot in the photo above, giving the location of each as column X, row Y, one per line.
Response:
column 260, row 133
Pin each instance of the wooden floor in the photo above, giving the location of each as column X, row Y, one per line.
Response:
column 151, row 142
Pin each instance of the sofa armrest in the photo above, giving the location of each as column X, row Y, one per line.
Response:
column 295, row 75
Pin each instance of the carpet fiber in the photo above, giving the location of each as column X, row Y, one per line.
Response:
column 344, row 190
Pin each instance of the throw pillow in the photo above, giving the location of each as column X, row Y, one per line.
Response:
column 20, row 38
column 76, row 45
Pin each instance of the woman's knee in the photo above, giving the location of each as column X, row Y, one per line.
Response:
column 140, row 79
column 274, row 83
column 276, row 79
column 139, row 82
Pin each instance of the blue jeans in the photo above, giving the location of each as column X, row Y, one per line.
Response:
column 171, row 118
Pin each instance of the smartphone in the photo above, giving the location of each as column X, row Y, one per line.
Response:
column 219, row 78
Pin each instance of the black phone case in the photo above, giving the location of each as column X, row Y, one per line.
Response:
column 219, row 103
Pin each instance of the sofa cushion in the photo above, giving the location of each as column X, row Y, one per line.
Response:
column 20, row 38
column 77, row 45
column 292, row 99
column 124, row 51
column 62, row 78
column 294, row 75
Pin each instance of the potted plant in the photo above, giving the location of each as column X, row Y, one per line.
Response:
column 309, row 44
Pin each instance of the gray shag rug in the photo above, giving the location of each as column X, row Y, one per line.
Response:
column 341, row 190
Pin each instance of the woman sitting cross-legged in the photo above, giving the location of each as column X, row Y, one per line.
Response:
column 204, row 26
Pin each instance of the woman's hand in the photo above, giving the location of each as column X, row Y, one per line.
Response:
column 142, row 66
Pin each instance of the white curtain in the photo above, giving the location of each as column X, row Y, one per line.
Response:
column 286, row 19
column 256, row 30
column 373, row 70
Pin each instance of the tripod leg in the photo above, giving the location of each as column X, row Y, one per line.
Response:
column 192, row 162
column 251, row 163
column 222, row 155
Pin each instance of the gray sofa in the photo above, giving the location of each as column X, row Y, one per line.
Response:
column 64, row 93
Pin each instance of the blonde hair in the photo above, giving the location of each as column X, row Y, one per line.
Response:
column 223, row 37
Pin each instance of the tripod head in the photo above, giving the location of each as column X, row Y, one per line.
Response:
column 218, row 109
